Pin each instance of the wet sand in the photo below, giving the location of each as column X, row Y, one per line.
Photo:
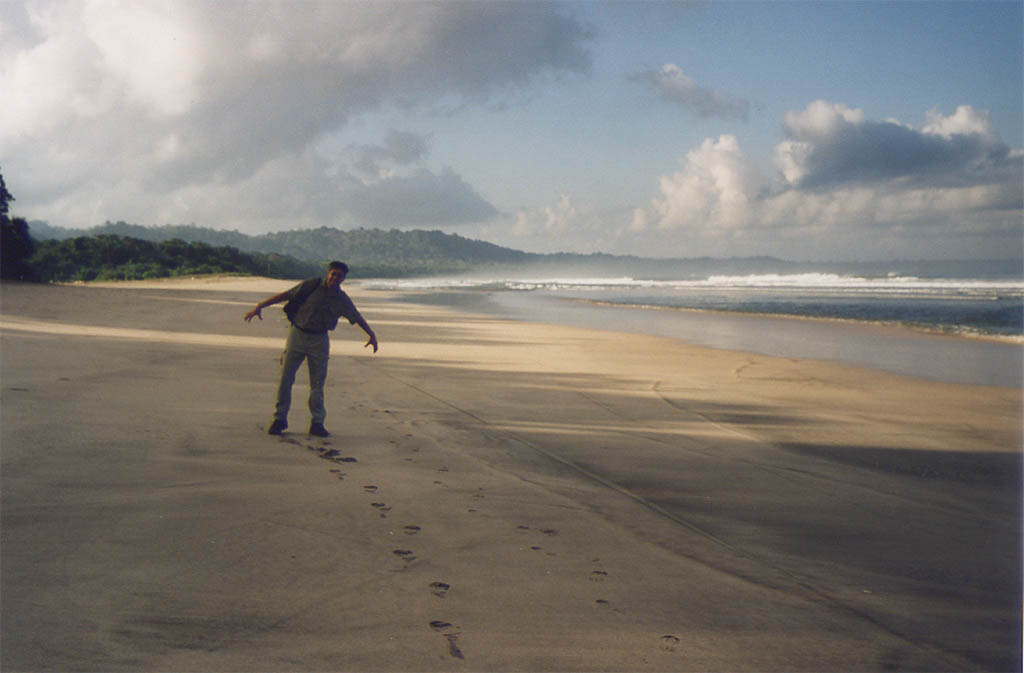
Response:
column 496, row 495
column 947, row 358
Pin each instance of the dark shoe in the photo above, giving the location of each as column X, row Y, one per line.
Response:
column 319, row 430
column 277, row 427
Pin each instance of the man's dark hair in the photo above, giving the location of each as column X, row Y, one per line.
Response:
column 341, row 266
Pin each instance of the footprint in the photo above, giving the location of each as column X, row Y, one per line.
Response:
column 405, row 554
column 669, row 643
column 598, row 576
column 382, row 508
column 440, row 589
column 370, row 488
column 347, row 460
column 550, row 531
column 601, row 601
column 450, row 636
column 411, row 529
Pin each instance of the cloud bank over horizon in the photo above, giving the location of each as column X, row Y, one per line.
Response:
column 440, row 114
column 148, row 109
column 838, row 171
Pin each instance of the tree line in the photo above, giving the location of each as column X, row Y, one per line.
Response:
column 112, row 257
column 120, row 251
column 369, row 252
column 16, row 245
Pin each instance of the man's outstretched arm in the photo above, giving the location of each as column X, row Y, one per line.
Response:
column 269, row 301
column 361, row 321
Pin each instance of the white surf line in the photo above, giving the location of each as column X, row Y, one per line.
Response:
column 12, row 324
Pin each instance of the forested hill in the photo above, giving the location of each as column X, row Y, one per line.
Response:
column 379, row 253
column 371, row 252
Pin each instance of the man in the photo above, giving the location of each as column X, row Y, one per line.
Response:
column 318, row 303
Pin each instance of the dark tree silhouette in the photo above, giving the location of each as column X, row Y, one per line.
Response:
column 16, row 246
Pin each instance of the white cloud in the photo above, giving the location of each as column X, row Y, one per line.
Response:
column 399, row 147
column 548, row 221
column 638, row 223
column 50, row 80
column 841, row 178
column 423, row 199
column 821, row 119
column 818, row 120
column 563, row 226
column 169, row 100
column 151, row 49
column 828, row 144
column 714, row 193
column 675, row 86
column 965, row 121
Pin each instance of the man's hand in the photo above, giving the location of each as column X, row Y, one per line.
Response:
column 255, row 313
column 372, row 342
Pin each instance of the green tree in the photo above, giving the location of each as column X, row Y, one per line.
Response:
column 5, row 199
column 16, row 246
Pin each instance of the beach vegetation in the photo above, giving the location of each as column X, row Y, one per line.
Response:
column 113, row 257
column 16, row 245
column 370, row 253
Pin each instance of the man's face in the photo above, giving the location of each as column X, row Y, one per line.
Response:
column 334, row 278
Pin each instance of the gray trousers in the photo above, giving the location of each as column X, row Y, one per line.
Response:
column 315, row 349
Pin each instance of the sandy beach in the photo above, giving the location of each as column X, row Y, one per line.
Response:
column 496, row 495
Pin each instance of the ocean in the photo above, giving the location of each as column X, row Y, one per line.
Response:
column 953, row 322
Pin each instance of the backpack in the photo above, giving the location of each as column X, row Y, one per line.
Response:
column 296, row 302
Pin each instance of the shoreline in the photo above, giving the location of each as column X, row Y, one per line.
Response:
column 498, row 495
column 229, row 281
column 896, row 349
column 964, row 357
column 1009, row 339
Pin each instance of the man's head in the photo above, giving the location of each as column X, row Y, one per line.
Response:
column 336, row 272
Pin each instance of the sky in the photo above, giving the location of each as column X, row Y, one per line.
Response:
column 803, row 130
